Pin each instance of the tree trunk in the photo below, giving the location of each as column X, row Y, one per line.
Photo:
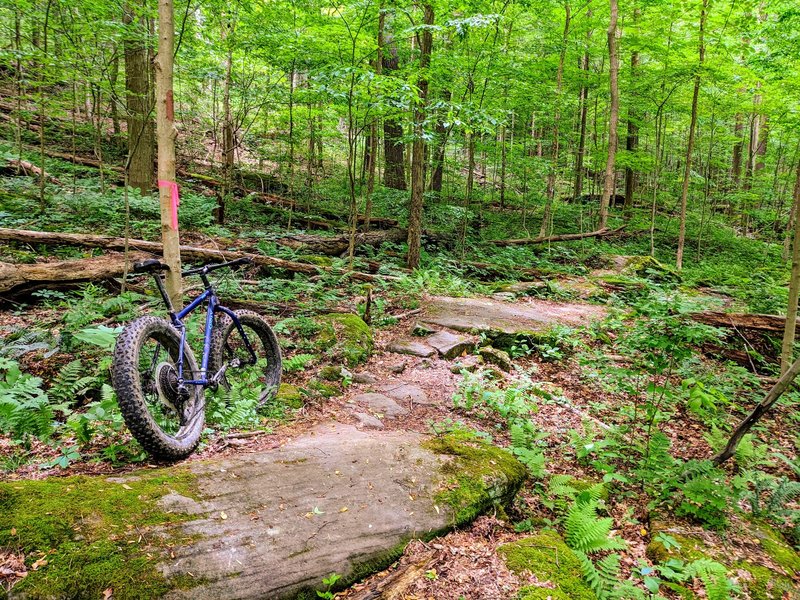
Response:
column 418, row 157
column 736, row 166
column 632, row 139
column 584, row 110
column 687, row 171
column 613, row 70
column 228, row 140
column 794, row 287
column 437, row 174
column 137, row 88
column 165, row 127
column 567, row 237
column 394, row 173
column 373, row 127
column 552, row 172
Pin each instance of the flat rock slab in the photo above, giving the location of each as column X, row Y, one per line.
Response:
column 450, row 345
column 411, row 347
column 381, row 404
column 268, row 524
column 367, row 421
column 480, row 315
column 406, row 391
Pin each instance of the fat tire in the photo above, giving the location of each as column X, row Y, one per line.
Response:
column 126, row 381
column 225, row 327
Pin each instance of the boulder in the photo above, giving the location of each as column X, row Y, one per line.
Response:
column 496, row 357
column 411, row 348
column 449, row 345
column 268, row 524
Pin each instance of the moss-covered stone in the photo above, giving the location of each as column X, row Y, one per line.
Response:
column 314, row 259
column 290, row 395
column 759, row 582
column 496, row 357
column 326, row 390
column 546, row 556
column 477, row 476
column 345, row 336
column 648, row 267
column 93, row 533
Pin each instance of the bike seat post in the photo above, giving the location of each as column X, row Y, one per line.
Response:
column 162, row 290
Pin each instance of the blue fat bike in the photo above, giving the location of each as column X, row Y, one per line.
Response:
column 160, row 388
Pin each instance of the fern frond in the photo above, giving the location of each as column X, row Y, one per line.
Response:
column 714, row 577
column 586, row 532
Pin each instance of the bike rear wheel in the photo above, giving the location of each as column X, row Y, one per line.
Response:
column 166, row 421
column 229, row 351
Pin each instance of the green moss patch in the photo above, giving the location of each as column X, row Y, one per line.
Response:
column 546, row 556
column 477, row 476
column 346, row 337
column 93, row 533
column 289, row 395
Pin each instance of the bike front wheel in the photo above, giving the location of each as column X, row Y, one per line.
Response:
column 229, row 351
column 165, row 419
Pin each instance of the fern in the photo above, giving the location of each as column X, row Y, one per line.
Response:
column 714, row 577
column 587, row 532
column 297, row 362
column 523, row 445
column 69, row 384
column 24, row 406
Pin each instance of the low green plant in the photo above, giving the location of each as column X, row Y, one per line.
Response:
column 24, row 406
column 329, row 582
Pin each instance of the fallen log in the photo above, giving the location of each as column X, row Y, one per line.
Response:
column 564, row 237
column 16, row 167
column 17, row 279
column 395, row 585
column 774, row 323
column 188, row 253
column 338, row 244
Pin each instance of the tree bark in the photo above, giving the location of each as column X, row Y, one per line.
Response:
column 687, row 171
column 613, row 70
column 394, row 173
column 736, row 164
column 794, row 286
column 165, row 115
column 584, row 110
column 632, row 139
column 137, row 88
column 418, row 156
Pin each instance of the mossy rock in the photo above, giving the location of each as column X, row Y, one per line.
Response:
column 760, row 582
column 647, row 267
column 290, row 395
column 345, row 336
column 94, row 533
column 314, row 259
column 546, row 556
column 479, row 475
column 324, row 389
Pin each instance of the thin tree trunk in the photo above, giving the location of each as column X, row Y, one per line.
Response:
column 137, row 87
column 632, row 139
column 613, row 70
column 165, row 126
column 373, row 127
column 394, row 173
column 584, row 110
column 553, row 171
column 736, row 166
column 794, row 286
column 228, row 141
column 687, row 171
column 418, row 157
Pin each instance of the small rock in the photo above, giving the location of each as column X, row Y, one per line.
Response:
column 397, row 369
column 496, row 357
column 422, row 330
column 411, row 348
column 450, row 345
column 335, row 373
column 381, row 404
column 364, row 378
column 366, row 421
column 406, row 391
column 468, row 363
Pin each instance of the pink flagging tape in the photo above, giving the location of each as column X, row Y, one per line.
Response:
column 175, row 200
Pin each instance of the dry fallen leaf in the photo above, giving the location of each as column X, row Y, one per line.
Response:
column 223, row 516
column 108, row 593
column 39, row 563
column 127, row 487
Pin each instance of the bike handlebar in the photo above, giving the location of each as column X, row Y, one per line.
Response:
column 153, row 265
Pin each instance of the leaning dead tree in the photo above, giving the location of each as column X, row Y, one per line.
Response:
column 566, row 237
column 759, row 411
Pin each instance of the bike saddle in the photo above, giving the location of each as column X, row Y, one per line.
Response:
column 151, row 265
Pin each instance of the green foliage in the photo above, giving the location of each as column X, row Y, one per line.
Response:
column 24, row 406
column 586, row 532
column 298, row 362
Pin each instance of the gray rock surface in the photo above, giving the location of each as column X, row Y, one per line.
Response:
column 499, row 358
column 364, row 377
column 381, row 404
column 411, row 347
column 336, row 500
column 406, row 391
column 450, row 345
column 478, row 315
column 367, row 421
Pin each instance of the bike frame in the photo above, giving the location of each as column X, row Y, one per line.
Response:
column 213, row 307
